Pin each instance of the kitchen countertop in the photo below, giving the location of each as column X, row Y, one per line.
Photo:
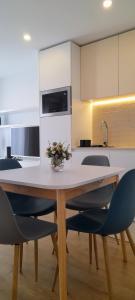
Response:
column 102, row 148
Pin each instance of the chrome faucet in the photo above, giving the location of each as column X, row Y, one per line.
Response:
column 104, row 126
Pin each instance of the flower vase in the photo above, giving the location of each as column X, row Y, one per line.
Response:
column 57, row 166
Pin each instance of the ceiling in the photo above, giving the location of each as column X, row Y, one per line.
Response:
column 53, row 21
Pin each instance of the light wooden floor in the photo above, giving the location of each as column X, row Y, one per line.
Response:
column 84, row 281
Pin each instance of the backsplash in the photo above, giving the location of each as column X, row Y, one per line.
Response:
column 121, row 124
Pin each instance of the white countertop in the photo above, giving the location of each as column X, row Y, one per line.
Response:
column 45, row 177
column 102, row 148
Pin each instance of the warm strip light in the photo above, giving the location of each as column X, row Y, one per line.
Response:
column 114, row 101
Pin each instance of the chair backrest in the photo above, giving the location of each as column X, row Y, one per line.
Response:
column 96, row 160
column 122, row 208
column 7, row 164
column 9, row 231
column 104, row 193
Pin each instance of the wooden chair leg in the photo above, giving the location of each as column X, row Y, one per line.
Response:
column 55, row 216
column 15, row 272
column 21, row 257
column 123, row 244
column 90, row 248
column 130, row 240
column 57, row 268
column 56, row 237
column 108, row 275
column 36, row 259
column 66, row 242
column 55, row 278
column 55, row 221
column 53, row 252
column 116, row 238
column 54, row 240
column 96, row 250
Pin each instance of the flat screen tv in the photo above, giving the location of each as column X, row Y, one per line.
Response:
column 25, row 141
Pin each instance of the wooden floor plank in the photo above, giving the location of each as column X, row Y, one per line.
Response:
column 84, row 281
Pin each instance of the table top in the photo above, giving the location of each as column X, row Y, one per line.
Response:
column 45, row 177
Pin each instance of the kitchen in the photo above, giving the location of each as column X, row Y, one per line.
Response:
column 67, row 87
column 103, row 96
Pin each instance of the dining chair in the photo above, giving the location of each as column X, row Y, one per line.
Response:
column 99, row 198
column 15, row 230
column 114, row 220
column 27, row 206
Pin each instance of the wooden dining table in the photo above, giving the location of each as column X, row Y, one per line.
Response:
column 42, row 181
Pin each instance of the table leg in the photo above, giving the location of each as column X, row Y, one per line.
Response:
column 61, row 221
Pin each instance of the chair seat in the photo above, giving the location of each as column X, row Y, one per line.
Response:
column 88, row 222
column 28, row 206
column 33, row 229
column 98, row 198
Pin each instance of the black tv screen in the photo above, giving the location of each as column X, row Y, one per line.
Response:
column 25, row 141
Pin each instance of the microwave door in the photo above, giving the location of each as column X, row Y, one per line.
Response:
column 56, row 103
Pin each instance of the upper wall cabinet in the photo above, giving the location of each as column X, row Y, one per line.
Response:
column 99, row 69
column 127, row 63
column 55, row 67
column 88, row 71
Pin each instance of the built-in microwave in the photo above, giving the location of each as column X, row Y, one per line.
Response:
column 56, row 102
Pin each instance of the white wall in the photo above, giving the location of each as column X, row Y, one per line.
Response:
column 0, row 91
column 20, row 90
column 5, row 140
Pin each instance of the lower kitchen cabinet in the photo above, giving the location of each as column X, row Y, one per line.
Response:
column 123, row 158
column 79, row 154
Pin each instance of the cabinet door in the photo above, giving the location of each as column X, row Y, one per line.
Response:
column 79, row 154
column 123, row 159
column 88, row 72
column 99, row 69
column 127, row 63
column 107, row 68
column 55, row 67
column 53, row 129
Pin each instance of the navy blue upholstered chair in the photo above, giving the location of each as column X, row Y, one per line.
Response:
column 27, row 206
column 15, row 230
column 99, row 198
column 96, row 199
column 23, row 205
column 116, row 219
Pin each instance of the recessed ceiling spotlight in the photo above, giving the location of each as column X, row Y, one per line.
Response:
column 107, row 3
column 27, row 37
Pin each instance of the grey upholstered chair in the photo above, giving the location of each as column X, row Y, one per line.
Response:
column 24, row 205
column 27, row 206
column 96, row 199
column 114, row 220
column 15, row 230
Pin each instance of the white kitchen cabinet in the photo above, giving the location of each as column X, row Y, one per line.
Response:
column 99, row 69
column 59, row 66
column 79, row 154
column 123, row 158
column 127, row 63
column 54, row 129
column 88, row 72
column 55, row 67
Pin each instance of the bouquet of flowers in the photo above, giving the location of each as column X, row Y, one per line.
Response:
column 58, row 152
